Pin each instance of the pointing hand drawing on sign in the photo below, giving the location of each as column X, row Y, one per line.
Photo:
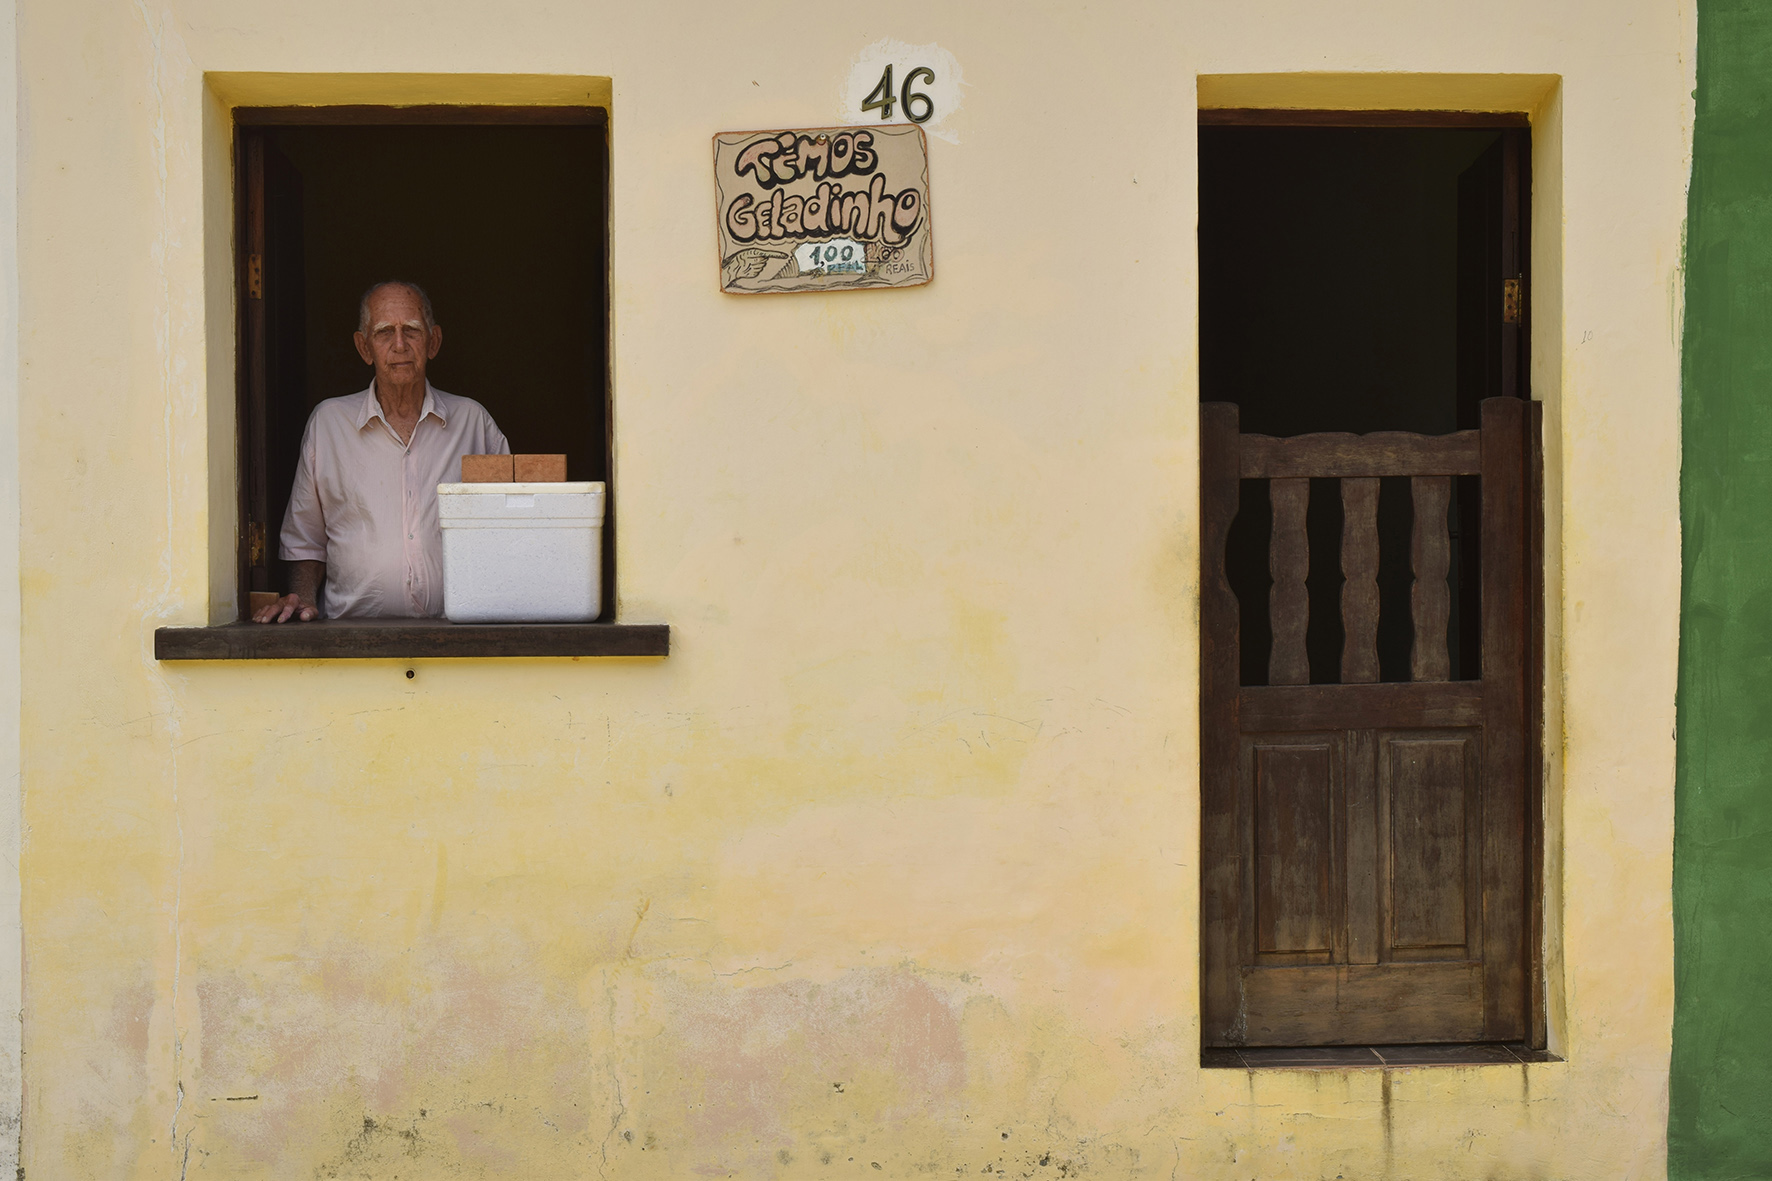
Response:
column 754, row 263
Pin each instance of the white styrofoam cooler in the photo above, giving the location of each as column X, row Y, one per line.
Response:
column 522, row 553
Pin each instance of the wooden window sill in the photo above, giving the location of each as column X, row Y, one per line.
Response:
column 374, row 639
column 1346, row 1057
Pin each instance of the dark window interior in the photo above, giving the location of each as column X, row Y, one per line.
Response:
column 1350, row 280
column 503, row 224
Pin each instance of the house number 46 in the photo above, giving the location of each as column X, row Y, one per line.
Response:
column 917, row 106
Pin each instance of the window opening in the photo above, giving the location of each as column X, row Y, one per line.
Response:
column 500, row 213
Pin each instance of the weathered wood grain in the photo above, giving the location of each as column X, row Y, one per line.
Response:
column 1504, row 718
column 1289, row 561
column 1537, row 1034
column 408, row 638
column 1364, row 871
column 1431, row 792
column 1355, row 1004
column 1343, row 456
column 1430, row 599
column 1359, row 588
column 1364, row 844
column 1271, row 708
column 1221, row 894
column 1295, row 870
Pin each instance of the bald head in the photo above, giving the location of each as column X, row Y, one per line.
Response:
column 417, row 292
column 398, row 335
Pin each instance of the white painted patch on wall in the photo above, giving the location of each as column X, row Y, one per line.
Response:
column 863, row 99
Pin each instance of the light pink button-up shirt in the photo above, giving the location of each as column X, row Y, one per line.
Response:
column 366, row 504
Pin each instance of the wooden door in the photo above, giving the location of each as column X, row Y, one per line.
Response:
column 1365, row 844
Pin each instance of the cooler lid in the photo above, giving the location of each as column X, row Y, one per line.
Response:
column 565, row 488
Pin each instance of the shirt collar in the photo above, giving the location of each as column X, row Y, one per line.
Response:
column 369, row 406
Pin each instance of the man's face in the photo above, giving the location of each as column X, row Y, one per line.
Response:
column 397, row 343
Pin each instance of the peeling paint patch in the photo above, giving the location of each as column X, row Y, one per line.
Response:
column 803, row 1068
column 369, row 1060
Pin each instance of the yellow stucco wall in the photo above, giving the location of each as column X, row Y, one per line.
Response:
column 890, row 868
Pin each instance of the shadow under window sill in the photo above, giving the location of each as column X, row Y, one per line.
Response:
column 375, row 639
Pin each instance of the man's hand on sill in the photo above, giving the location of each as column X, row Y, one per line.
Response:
column 301, row 604
column 285, row 609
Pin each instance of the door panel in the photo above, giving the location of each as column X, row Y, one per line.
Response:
column 1295, row 864
column 1361, row 1004
column 1363, row 844
column 1431, row 784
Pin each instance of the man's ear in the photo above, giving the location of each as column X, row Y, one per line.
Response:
column 363, row 348
column 436, row 341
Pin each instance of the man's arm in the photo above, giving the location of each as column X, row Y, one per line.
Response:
column 304, row 544
column 303, row 602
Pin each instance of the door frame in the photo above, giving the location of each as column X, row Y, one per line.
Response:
column 1516, row 379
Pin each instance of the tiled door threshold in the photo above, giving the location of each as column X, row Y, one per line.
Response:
column 1342, row 1057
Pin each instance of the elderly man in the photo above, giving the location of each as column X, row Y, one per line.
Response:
column 362, row 517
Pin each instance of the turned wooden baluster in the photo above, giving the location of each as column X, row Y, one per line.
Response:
column 1430, row 600
column 1289, row 560
column 1359, row 588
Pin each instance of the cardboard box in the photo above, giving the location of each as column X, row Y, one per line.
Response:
column 486, row 469
column 540, row 469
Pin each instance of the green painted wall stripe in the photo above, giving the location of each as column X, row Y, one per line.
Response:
column 1720, row 1122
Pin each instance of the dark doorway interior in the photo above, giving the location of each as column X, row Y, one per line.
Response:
column 1369, row 588
column 1351, row 279
column 503, row 225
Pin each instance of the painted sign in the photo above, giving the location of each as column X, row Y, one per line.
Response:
column 823, row 209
